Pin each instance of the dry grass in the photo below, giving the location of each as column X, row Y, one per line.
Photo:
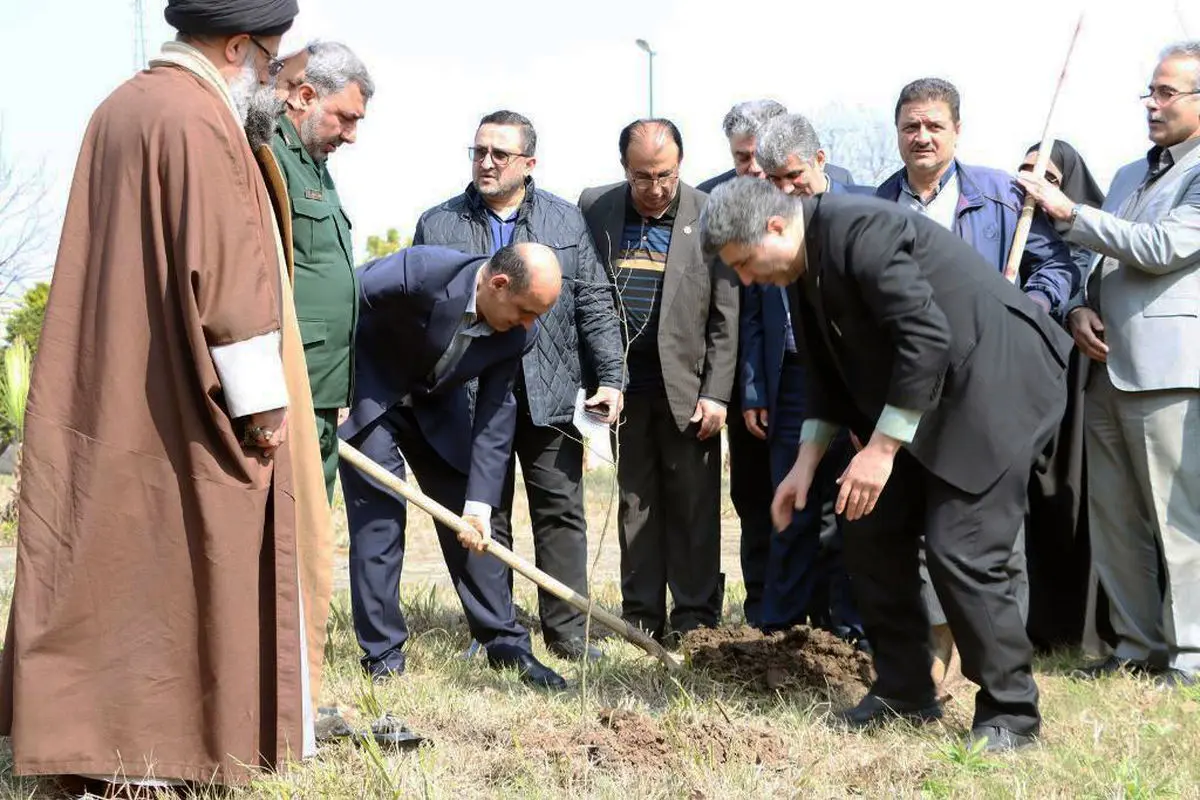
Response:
column 491, row 737
column 694, row 737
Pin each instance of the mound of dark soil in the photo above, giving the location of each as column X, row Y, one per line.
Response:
column 799, row 659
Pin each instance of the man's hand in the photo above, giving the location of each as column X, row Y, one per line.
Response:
column 609, row 399
column 756, row 421
column 1088, row 330
column 711, row 416
column 792, row 494
column 483, row 530
column 1052, row 200
column 265, row 431
column 343, row 415
column 865, row 477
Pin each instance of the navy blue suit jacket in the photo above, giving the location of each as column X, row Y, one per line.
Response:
column 411, row 304
column 763, row 326
column 989, row 205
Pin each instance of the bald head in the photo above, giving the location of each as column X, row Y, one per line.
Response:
column 651, row 138
column 521, row 282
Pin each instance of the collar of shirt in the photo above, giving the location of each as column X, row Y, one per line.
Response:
column 1161, row 159
column 947, row 176
column 472, row 324
column 633, row 215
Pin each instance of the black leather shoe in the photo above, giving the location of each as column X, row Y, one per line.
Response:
column 1172, row 678
column 532, row 671
column 1000, row 740
column 382, row 672
column 874, row 710
column 1110, row 666
column 574, row 649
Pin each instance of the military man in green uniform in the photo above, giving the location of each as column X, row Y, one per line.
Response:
column 324, row 107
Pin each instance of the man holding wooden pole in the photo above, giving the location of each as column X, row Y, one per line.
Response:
column 431, row 320
column 1138, row 321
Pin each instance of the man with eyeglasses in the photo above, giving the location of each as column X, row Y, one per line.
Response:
column 162, row 562
column 578, row 345
column 1138, row 320
column 679, row 315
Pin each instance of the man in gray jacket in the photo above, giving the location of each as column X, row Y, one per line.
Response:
column 1139, row 323
column 579, row 344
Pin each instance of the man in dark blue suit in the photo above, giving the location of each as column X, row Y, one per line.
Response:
column 750, row 483
column 805, row 579
column 431, row 320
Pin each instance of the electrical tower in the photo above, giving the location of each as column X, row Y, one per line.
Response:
column 139, row 36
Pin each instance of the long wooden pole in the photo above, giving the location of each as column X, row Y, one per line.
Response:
column 514, row 561
column 1039, row 169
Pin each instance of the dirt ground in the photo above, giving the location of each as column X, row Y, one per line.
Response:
column 623, row 738
column 802, row 658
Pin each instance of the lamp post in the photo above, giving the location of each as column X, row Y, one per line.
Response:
column 645, row 46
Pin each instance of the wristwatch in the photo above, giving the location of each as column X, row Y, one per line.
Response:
column 1075, row 212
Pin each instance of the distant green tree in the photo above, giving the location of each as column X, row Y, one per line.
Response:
column 380, row 246
column 26, row 322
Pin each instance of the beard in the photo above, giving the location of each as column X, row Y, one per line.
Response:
column 258, row 106
column 505, row 185
column 310, row 138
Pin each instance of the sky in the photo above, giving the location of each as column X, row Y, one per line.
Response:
column 574, row 69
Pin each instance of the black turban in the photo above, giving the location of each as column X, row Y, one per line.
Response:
column 226, row 17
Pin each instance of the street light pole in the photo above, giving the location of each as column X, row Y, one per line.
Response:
column 645, row 47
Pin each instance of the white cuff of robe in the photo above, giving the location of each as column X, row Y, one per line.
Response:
column 899, row 423
column 474, row 508
column 818, row 431
column 251, row 373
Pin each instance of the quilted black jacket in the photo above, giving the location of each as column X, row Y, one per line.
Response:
column 580, row 339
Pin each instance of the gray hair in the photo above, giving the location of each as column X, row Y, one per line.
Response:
column 332, row 66
column 790, row 134
column 744, row 119
column 1186, row 49
column 737, row 212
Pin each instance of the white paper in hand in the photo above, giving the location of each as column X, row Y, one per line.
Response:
column 595, row 432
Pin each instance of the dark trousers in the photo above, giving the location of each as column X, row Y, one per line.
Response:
column 552, row 468
column 969, row 539
column 327, row 438
column 806, row 578
column 751, row 490
column 670, row 519
column 377, row 519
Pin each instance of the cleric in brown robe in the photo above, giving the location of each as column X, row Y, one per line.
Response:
column 156, row 630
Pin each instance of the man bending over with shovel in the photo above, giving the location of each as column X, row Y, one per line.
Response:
column 431, row 320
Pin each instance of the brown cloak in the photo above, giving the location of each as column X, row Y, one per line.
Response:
column 155, row 627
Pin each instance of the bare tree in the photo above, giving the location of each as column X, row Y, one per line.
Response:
column 859, row 139
column 23, row 226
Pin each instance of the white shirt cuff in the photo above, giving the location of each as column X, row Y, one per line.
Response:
column 899, row 423
column 818, row 431
column 251, row 373
column 475, row 508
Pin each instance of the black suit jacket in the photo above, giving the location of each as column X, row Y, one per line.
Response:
column 897, row 311
column 411, row 304
column 698, row 323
